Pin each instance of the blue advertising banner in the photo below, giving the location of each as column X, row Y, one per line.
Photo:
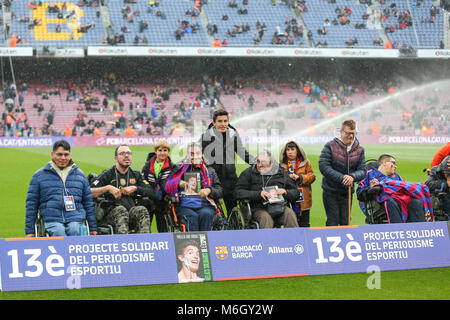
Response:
column 144, row 259
column 259, row 253
column 390, row 247
column 87, row 261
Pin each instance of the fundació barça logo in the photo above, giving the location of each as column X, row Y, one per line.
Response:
column 221, row 252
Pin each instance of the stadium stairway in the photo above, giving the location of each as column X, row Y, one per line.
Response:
column 446, row 26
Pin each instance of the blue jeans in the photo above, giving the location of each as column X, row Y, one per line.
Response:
column 57, row 229
column 416, row 212
column 198, row 219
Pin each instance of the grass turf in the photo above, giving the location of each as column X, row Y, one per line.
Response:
column 19, row 164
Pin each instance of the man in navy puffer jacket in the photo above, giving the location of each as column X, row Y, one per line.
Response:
column 342, row 163
column 60, row 192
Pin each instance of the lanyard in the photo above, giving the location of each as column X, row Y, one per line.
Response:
column 267, row 182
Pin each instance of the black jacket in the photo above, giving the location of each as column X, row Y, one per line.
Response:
column 436, row 180
column 251, row 183
column 148, row 173
column 219, row 152
column 132, row 178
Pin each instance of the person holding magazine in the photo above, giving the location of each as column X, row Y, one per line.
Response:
column 268, row 188
column 197, row 186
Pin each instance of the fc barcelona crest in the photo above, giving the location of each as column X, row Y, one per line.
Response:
column 221, row 252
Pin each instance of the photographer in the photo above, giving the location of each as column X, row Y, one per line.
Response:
column 438, row 182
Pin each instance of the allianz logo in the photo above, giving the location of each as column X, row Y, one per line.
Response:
column 298, row 249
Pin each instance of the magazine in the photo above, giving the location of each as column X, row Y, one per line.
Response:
column 193, row 181
column 274, row 196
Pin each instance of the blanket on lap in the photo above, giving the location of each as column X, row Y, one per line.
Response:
column 402, row 191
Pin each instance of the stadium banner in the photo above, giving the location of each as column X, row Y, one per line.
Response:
column 33, row 141
column 241, row 52
column 145, row 259
column 87, row 261
column 403, row 139
column 250, row 139
column 16, row 52
column 433, row 53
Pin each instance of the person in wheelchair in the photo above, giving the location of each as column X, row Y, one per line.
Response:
column 122, row 187
column 269, row 189
column 156, row 170
column 197, row 200
column 60, row 193
column 438, row 181
column 403, row 201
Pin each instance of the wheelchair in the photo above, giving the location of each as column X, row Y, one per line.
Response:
column 375, row 212
column 220, row 222
column 437, row 199
column 103, row 227
column 237, row 217
column 241, row 217
column 178, row 223
column 40, row 231
column 101, row 204
column 173, row 223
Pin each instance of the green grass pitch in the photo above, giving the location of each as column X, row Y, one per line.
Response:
column 19, row 164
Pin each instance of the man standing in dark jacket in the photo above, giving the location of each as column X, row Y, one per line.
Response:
column 60, row 192
column 254, row 184
column 220, row 142
column 342, row 163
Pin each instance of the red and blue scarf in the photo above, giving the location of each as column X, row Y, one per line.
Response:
column 290, row 170
column 402, row 191
column 171, row 187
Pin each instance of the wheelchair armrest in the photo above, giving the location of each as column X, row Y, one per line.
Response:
column 374, row 191
column 370, row 194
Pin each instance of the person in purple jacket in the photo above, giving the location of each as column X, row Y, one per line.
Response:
column 342, row 163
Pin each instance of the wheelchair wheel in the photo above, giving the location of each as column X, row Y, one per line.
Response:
column 219, row 222
column 39, row 228
column 170, row 225
column 173, row 222
column 376, row 214
column 236, row 219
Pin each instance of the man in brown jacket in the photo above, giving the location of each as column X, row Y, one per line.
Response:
column 294, row 161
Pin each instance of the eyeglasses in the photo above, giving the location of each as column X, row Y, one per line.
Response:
column 125, row 153
column 349, row 133
column 263, row 162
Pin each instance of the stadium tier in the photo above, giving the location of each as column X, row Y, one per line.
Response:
column 262, row 23
column 50, row 24
column 283, row 107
